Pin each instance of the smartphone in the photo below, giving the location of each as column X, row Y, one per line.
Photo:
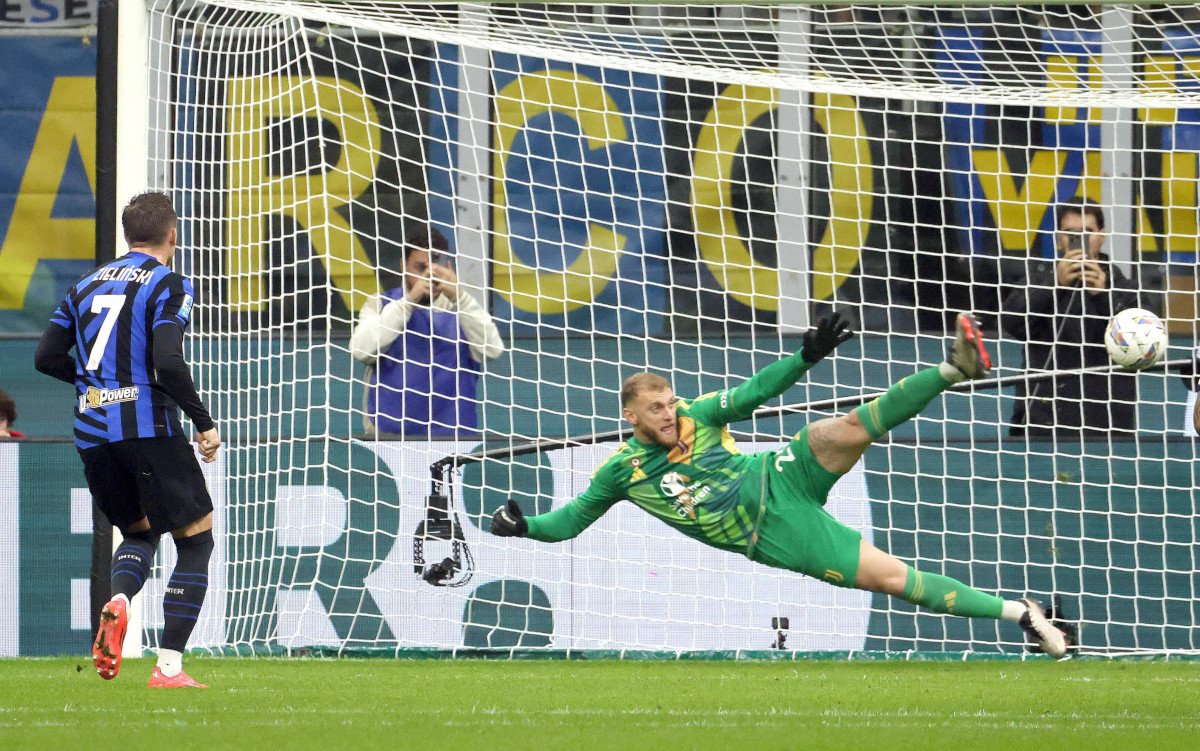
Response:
column 437, row 258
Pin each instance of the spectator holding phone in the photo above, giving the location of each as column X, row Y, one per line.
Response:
column 1061, row 313
column 425, row 343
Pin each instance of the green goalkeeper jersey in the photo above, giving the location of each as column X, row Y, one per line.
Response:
column 702, row 486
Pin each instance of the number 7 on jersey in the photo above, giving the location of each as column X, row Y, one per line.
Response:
column 111, row 306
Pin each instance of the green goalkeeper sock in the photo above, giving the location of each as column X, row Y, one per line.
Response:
column 941, row 594
column 902, row 402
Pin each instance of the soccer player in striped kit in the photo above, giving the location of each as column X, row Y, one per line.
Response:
column 125, row 321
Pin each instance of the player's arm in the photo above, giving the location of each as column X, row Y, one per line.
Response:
column 175, row 377
column 379, row 324
column 560, row 524
column 53, row 355
column 170, row 314
column 739, row 402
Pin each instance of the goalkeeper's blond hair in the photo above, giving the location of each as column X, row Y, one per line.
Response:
column 639, row 382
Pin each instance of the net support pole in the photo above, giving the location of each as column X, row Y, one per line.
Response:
column 132, row 151
column 106, row 239
column 132, row 104
column 471, row 211
column 791, row 186
column 1116, row 134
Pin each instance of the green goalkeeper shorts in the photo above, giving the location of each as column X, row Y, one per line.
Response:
column 796, row 532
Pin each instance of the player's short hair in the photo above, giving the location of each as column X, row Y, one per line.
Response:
column 427, row 239
column 8, row 407
column 1079, row 206
column 148, row 218
column 639, row 382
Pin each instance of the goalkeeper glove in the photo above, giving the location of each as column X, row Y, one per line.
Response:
column 828, row 334
column 509, row 521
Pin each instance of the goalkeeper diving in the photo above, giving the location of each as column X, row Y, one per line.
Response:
column 681, row 465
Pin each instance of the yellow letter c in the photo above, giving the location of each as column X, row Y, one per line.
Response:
column 717, row 237
column 586, row 102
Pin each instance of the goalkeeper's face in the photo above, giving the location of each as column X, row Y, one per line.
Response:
column 652, row 415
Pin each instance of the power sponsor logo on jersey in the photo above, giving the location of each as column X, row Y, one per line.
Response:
column 686, row 497
column 95, row 398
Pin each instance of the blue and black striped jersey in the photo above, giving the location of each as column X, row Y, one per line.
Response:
column 113, row 312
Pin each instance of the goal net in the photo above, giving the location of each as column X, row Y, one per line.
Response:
column 682, row 188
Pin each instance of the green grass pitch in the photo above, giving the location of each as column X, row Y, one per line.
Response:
column 275, row 704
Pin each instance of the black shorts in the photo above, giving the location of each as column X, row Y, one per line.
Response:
column 155, row 478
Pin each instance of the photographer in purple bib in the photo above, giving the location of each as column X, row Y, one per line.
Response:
column 425, row 343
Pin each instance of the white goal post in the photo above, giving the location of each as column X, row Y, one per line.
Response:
column 682, row 188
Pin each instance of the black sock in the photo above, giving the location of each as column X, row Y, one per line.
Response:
column 186, row 589
column 131, row 563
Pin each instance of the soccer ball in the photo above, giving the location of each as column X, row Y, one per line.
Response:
column 1136, row 339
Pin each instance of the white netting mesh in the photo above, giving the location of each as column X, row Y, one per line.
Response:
column 863, row 50
column 680, row 188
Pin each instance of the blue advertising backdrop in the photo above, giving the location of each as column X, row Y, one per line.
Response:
column 47, row 174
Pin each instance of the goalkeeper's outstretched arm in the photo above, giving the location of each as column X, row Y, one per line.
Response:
column 740, row 402
column 558, row 525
